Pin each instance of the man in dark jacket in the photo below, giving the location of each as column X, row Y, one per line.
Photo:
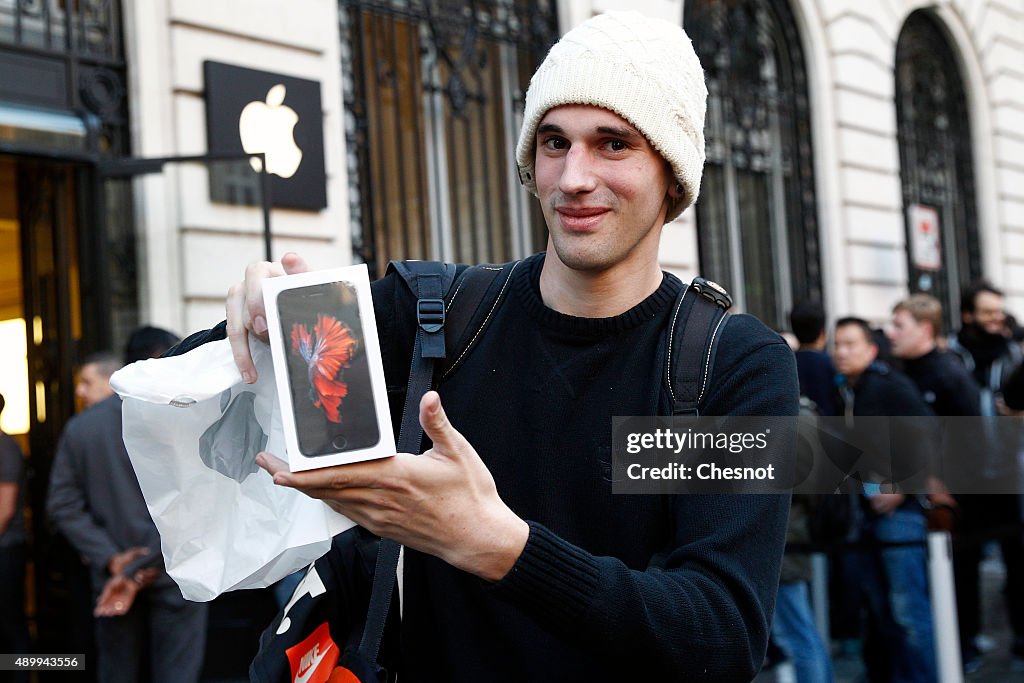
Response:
column 95, row 500
column 894, row 578
column 944, row 383
column 951, row 391
column 984, row 343
column 986, row 347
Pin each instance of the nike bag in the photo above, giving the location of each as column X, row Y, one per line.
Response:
column 192, row 428
column 317, row 636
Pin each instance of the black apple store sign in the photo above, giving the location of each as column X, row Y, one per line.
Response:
column 257, row 111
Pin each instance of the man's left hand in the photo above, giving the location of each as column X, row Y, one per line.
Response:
column 443, row 502
column 119, row 593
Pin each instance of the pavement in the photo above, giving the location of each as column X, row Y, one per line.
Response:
column 997, row 664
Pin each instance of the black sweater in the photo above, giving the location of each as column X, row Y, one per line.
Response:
column 536, row 398
column 945, row 384
column 608, row 587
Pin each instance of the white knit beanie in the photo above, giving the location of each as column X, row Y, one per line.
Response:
column 644, row 70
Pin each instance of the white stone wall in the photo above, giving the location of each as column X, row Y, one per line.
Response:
column 867, row 240
column 192, row 250
column 997, row 34
column 860, row 38
column 850, row 47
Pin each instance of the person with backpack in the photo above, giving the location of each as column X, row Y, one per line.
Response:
column 793, row 629
column 813, row 364
column 520, row 563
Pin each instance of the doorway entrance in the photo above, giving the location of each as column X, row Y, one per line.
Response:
column 47, row 309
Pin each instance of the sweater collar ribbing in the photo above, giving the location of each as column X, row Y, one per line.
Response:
column 526, row 284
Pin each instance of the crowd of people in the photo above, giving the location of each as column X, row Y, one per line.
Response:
column 880, row 580
column 909, row 367
column 520, row 563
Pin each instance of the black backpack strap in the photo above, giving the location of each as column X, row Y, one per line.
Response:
column 384, row 575
column 444, row 314
column 477, row 295
column 470, row 302
column 699, row 313
column 429, row 281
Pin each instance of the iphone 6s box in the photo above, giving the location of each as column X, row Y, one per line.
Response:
column 327, row 364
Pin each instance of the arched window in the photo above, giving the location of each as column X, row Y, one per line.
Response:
column 756, row 216
column 936, row 168
column 434, row 95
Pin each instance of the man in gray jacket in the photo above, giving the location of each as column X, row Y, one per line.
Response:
column 95, row 501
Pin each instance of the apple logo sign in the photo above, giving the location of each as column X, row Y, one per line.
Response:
column 269, row 127
column 273, row 114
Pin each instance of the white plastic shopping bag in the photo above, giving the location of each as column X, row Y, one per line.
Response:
column 193, row 428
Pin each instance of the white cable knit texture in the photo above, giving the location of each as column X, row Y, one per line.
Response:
column 644, row 70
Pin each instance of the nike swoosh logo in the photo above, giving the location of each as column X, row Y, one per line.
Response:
column 302, row 678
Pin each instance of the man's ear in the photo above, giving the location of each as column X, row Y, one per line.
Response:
column 676, row 189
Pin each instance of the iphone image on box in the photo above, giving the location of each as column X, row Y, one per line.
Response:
column 329, row 373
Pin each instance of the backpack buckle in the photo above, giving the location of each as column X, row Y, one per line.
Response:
column 430, row 314
column 712, row 291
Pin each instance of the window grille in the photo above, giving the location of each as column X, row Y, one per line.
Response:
column 84, row 37
column 756, row 216
column 434, row 97
column 936, row 167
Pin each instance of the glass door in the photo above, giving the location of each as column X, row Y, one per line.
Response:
column 41, row 329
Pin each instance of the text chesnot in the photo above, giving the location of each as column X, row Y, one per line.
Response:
column 704, row 472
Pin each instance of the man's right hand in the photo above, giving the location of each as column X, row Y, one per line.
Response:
column 246, row 313
column 119, row 593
